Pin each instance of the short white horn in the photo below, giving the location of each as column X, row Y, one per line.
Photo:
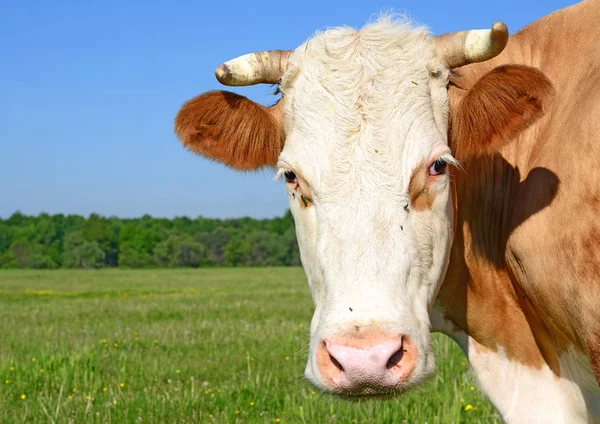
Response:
column 461, row 48
column 254, row 68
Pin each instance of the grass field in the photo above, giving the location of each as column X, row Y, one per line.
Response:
column 167, row 346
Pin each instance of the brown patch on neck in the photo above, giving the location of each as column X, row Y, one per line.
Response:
column 481, row 293
column 548, row 346
column 305, row 202
column 421, row 198
column 480, row 299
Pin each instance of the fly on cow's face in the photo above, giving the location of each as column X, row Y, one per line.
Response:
column 304, row 200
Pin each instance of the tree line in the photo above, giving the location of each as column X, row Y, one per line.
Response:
column 73, row 241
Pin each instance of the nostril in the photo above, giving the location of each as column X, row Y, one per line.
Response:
column 395, row 358
column 336, row 363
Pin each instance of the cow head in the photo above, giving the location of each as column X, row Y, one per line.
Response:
column 360, row 139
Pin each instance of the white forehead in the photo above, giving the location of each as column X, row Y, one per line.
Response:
column 361, row 102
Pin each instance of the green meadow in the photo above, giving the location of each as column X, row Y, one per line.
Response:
column 206, row 345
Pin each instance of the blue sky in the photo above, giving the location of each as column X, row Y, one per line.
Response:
column 89, row 90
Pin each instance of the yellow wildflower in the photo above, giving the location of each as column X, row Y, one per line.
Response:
column 122, row 385
column 114, row 401
column 277, row 420
column 251, row 403
column 7, row 382
column 104, row 341
column 12, row 368
column 155, row 341
column 313, row 393
column 23, row 397
column 41, row 370
column 104, row 389
column 468, row 407
column 237, row 412
column 178, row 371
column 210, row 415
column 472, row 388
column 32, row 359
column 212, row 395
column 70, row 397
column 462, row 400
column 87, row 398
column 116, row 345
column 74, row 390
column 287, row 358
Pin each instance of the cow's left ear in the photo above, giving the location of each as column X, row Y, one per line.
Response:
column 232, row 129
column 502, row 103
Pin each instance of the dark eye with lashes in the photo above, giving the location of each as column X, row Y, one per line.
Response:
column 290, row 177
column 438, row 167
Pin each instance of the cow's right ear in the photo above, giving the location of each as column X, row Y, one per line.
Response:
column 500, row 105
column 231, row 129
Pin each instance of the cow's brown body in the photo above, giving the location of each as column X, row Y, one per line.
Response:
column 525, row 267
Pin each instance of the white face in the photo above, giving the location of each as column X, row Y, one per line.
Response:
column 365, row 115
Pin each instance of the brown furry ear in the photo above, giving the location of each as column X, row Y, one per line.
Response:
column 501, row 104
column 231, row 129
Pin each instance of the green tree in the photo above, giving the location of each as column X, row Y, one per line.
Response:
column 180, row 250
column 268, row 249
column 6, row 236
column 98, row 229
column 293, row 252
column 142, row 234
column 216, row 241
column 80, row 253
column 238, row 251
column 23, row 254
column 129, row 257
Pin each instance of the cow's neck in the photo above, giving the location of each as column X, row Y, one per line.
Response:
column 478, row 294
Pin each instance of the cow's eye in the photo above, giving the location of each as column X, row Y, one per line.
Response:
column 438, row 167
column 290, row 177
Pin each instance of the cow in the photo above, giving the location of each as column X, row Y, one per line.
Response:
column 443, row 184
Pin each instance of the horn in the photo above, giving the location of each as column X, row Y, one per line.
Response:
column 254, row 68
column 461, row 48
